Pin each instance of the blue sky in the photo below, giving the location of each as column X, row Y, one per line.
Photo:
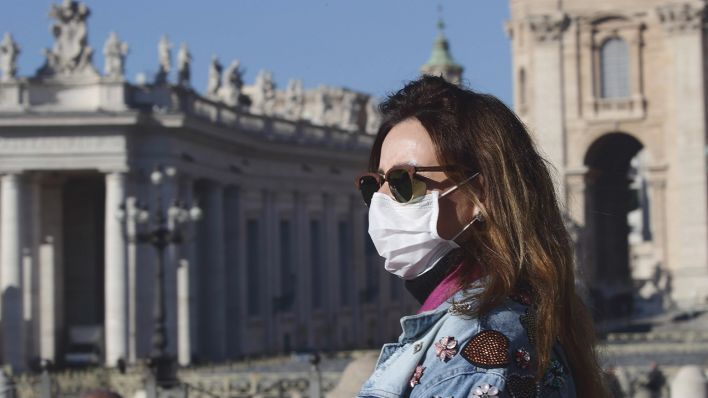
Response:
column 367, row 45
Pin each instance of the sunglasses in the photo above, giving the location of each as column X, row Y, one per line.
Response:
column 401, row 181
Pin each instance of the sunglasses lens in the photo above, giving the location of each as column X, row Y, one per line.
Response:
column 401, row 185
column 368, row 185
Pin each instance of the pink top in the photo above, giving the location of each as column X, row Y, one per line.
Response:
column 443, row 291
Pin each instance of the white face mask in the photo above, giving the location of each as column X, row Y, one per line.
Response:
column 406, row 234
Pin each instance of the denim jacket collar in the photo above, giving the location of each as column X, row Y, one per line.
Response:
column 414, row 326
column 398, row 361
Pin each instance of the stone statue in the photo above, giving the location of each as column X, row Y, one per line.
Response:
column 651, row 383
column 294, row 100
column 114, row 52
column 9, row 50
column 350, row 108
column 214, row 82
column 263, row 97
column 164, row 56
column 184, row 61
column 70, row 54
column 231, row 84
column 321, row 106
column 373, row 117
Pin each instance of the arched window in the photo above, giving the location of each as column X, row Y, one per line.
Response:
column 614, row 69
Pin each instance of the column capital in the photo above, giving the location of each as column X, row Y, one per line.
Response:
column 548, row 28
column 115, row 174
column 682, row 18
column 11, row 174
column 656, row 177
column 113, row 170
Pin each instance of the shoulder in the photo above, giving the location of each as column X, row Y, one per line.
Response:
column 489, row 355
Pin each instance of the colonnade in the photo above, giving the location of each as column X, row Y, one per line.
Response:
column 207, row 278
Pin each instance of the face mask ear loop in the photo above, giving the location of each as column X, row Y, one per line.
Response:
column 451, row 189
column 465, row 228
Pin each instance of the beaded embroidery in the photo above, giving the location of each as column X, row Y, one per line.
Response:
column 522, row 357
column 522, row 386
column 488, row 349
column 528, row 320
column 460, row 309
column 555, row 375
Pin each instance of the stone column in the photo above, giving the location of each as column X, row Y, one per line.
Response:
column 330, row 267
column 270, row 228
column 234, row 319
column 575, row 203
column 116, row 300
column 302, row 241
column 169, row 194
column 131, row 211
column 687, row 196
column 214, row 217
column 185, row 286
column 657, row 212
column 47, row 293
column 28, row 278
column 51, row 304
column 30, row 261
column 356, row 215
column 11, row 272
column 183, row 343
column 548, row 85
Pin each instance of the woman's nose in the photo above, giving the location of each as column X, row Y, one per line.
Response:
column 385, row 189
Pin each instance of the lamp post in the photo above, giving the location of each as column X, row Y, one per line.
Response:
column 160, row 228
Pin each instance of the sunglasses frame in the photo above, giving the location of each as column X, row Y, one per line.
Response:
column 409, row 169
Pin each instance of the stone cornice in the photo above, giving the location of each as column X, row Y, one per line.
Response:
column 682, row 17
column 40, row 119
column 548, row 27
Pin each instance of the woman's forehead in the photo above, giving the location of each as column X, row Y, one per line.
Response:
column 407, row 143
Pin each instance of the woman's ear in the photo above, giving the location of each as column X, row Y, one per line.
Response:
column 478, row 213
column 479, row 216
column 481, row 187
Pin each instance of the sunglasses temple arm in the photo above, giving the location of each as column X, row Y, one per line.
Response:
column 451, row 189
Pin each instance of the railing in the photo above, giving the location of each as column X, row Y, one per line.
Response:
column 197, row 382
column 270, row 126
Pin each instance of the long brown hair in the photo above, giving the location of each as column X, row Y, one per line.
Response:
column 523, row 242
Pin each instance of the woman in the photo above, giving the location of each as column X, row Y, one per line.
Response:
column 463, row 208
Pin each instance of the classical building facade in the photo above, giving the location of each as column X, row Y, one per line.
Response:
column 614, row 91
column 281, row 259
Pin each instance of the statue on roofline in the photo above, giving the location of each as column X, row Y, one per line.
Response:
column 114, row 52
column 294, row 100
column 214, row 81
column 164, row 56
column 184, row 62
column 71, row 54
column 9, row 50
column 231, row 84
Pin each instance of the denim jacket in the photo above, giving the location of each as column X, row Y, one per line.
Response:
column 444, row 354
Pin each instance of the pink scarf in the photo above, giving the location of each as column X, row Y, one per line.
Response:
column 443, row 291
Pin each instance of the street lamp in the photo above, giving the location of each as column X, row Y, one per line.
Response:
column 165, row 229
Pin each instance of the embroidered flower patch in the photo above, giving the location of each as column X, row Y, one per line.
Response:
column 415, row 379
column 446, row 348
column 485, row 390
